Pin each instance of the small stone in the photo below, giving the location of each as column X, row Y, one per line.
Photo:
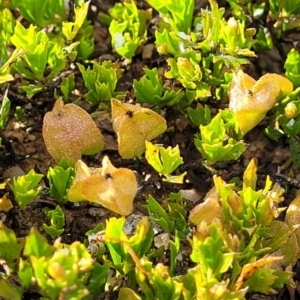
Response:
column 96, row 212
column 31, row 137
column 191, row 195
column 148, row 51
column 3, row 216
column 162, row 240
column 179, row 257
column 131, row 222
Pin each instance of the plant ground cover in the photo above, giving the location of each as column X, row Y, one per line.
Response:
column 23, row 149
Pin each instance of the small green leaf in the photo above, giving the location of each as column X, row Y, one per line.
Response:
column 250, row 177
column 114, row 229
column 174, row 249
column 214, row 141
column 10, row 246
column 98, row 277
column 178, row 15
column 8, row 291
column 5, row 68
column 57, row 222
column 24, row 190
column 149, row 89
column 25, row 273
column 31, row 90
column 36, row 245
column 128, row 28
column 60, row 180
column 262, row 280
column 159, row 215
column 142, row 239
column 200, row 115
column 164, row 160
column 46, row 13
column 101, row 81
column 25, row 38
column 4, row 110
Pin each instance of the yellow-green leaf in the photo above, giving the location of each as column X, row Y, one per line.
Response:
column 70, row 29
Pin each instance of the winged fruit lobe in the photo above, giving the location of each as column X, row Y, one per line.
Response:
column 250, row 100
column 69, row 132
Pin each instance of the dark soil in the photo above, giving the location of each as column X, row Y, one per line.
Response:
column 23, row 147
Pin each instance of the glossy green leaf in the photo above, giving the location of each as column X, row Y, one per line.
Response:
column 25, row 273
column 36, row 245
column 292, row 67
column 5, row 75
column 67, row 86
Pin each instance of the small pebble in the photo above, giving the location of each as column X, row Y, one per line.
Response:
column 31, row 137
column 96, row 212
column 3, row 216
column 148, row 51
column 162, row 240
column 131, row 222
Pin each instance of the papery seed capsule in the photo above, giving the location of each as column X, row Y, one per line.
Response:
column 290, row 110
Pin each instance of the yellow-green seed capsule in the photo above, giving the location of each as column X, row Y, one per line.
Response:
column 290, row 110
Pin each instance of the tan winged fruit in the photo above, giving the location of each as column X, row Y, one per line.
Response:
column 134, row 125
column 208, row 210
column 251, row 100
column 69, row 132
column 113, row 188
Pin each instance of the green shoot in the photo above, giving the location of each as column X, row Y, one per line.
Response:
column 24, row 186
column 165, row 161
column 171, row 217
column 214, row 141
column 128, row 28
column 149, row 89
column 60, row 180
column 57, row 222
